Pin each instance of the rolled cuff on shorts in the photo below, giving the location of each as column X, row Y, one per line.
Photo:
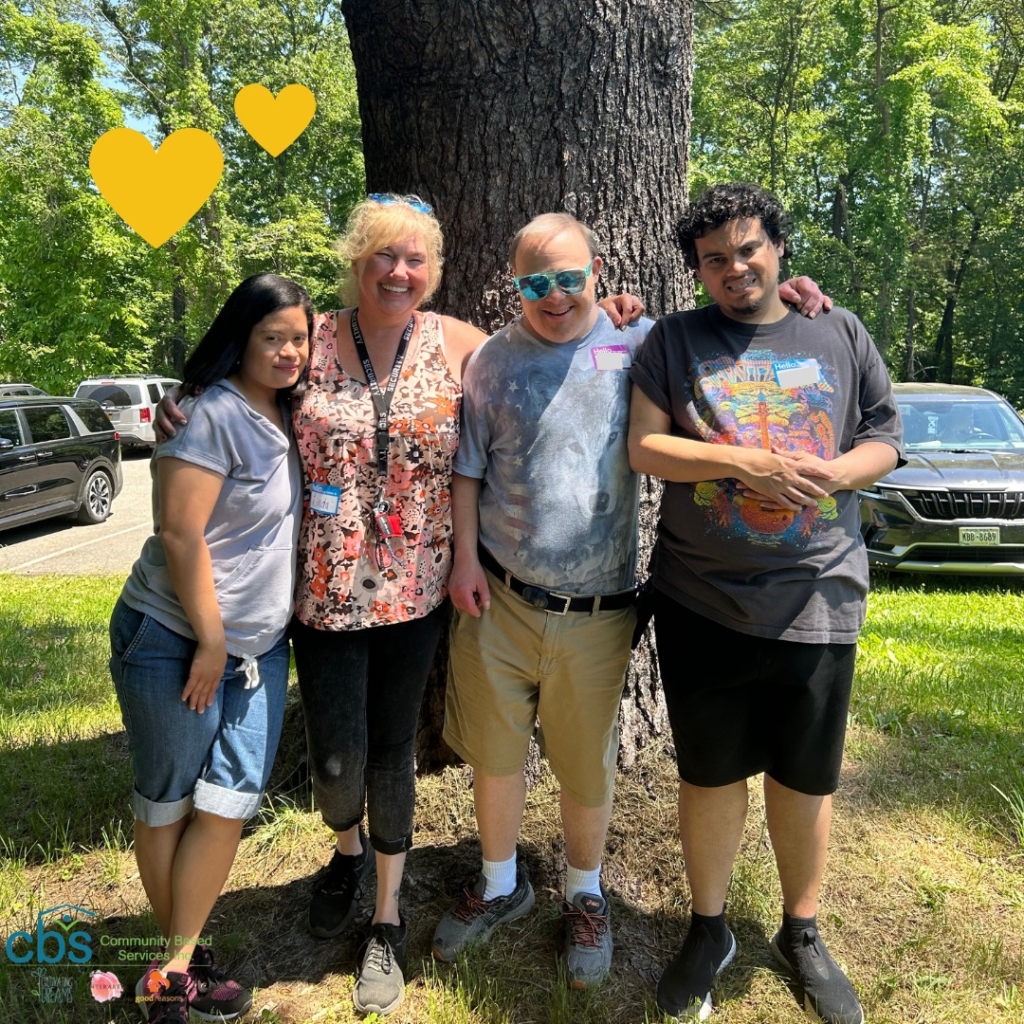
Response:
column 155, row 813
column 225, row 803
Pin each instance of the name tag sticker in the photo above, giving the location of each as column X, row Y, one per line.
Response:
column 324, row 499
column 796, row 373
column 611, row 357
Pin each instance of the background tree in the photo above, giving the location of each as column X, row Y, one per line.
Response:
column 75, row 286
column 500, row 112
column 495, row 113
column 185, row 62
column 895, row 140
column 80, row 293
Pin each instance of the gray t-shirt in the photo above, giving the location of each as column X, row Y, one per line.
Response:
column 252, row 531
column 544, row 426
column 817, row 385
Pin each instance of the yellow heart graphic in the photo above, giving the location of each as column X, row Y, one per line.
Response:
column 156, row 192
column 275, row 123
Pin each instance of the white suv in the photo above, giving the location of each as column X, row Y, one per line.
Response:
column 130, row 402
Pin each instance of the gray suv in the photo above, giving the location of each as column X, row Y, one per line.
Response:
column 957, row 506
column 58, row 456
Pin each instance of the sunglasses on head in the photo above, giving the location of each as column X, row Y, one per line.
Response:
column 386, row 199
column 536, row 286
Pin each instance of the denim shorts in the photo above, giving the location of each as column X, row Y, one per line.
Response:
column 218, row 761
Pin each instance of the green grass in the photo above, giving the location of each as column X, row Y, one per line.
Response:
column 940, row 668
column 923, row 898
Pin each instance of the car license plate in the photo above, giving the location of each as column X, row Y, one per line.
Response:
column 979, row 536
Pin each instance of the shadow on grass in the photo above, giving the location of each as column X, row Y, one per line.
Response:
column 61, row 798
column 943, row 761
column 260, row 935
column 72, row 796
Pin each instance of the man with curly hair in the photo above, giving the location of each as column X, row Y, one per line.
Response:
column 763, row 424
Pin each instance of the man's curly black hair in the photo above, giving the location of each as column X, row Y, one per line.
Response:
column 722, row 203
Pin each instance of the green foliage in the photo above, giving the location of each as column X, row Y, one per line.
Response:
column 894, row 137
column 80, row 292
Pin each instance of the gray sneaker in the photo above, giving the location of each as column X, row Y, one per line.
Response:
column 380, row 986
column 588, row 939
column 473, row 918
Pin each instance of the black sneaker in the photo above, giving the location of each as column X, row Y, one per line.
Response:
column 685, row 986
column 333, row 903
column 167, row 997
column 380, row 986
column 826, row 990
column 473, row 918
column 217, row 997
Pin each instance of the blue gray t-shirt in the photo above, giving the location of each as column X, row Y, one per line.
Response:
column 252, row 531
column 544, row 426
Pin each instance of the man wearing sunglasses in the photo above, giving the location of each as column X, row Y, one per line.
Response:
column 545, row 518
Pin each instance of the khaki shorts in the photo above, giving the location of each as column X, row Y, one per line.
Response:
column 516, row 664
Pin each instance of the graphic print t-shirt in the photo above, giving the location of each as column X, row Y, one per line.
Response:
column 544, row 426
column 797, row 384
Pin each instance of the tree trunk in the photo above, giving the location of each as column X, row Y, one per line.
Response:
column 178, row 341
column 955, row 272
column 494, row 113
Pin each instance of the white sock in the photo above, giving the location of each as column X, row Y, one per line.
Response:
column 578, row 880
column 500, row 876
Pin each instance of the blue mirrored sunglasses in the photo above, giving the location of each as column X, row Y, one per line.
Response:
column 536, row 286
column 387, row 199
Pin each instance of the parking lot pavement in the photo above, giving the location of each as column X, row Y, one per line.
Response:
column 107, row 549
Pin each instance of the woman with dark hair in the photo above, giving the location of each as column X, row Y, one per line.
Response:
column 199, row 655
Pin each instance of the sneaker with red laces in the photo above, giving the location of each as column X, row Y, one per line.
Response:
column 166, row 997
column 217, row 996
column 588, row 939
column 473, row 918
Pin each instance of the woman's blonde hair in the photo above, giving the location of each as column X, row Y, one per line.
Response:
column 381, row 221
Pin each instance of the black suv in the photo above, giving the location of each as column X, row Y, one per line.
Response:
column 58, row 456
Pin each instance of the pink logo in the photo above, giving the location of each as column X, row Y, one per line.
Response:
column 104, row 986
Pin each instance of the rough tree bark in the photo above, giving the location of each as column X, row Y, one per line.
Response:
column 495, row 112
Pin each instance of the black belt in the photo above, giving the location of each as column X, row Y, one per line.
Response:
column 549, row 600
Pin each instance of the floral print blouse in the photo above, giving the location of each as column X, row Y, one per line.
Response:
column 346, row 578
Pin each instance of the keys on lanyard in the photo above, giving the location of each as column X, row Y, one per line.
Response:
column 386, row 524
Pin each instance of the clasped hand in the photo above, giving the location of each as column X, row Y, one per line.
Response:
column 784, row 479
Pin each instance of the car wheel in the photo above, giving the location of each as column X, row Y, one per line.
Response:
column 97, row 498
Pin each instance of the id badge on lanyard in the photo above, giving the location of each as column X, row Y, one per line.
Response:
column 387, row 523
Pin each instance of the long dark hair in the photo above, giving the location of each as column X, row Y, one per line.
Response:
column 223, row 345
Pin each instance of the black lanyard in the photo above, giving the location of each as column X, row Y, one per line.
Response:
column 381, row 399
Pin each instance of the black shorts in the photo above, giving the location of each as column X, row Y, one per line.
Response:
column 741, row 704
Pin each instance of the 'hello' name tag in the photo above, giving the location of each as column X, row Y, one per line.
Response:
column 611, row 357
column 324, row 499
column 796, row 373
